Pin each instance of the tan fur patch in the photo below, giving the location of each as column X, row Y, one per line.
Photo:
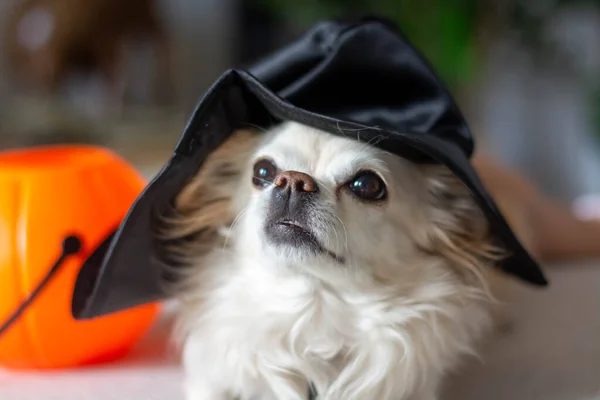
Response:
column 462, row 234
column 204, row 205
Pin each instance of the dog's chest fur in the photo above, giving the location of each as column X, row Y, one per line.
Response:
column 275, row 332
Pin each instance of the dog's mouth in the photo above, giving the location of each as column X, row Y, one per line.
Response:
column 295, row 225
column 293, row 233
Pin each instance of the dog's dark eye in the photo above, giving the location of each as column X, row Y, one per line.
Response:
column 265, row 172
column 368, row 185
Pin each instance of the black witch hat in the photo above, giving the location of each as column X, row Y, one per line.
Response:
column 360, row 77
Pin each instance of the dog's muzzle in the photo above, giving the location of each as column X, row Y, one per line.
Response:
column 288, row 220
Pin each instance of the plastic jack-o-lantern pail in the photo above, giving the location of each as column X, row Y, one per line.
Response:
column 58, row 205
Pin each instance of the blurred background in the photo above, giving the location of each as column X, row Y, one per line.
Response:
column 127, row 74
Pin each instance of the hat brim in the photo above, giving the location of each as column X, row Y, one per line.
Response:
column 130, row 274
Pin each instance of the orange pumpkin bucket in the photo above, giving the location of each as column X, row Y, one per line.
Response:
column 58, row 206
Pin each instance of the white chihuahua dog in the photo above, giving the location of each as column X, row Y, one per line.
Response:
column 317, row 260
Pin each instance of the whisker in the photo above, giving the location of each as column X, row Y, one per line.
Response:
column 232, row 226
column 325, row 188
column 345, row 231
column 264, row 180
column 260, row 128
column 339, row 128
column 376, row 139
column 337, row 237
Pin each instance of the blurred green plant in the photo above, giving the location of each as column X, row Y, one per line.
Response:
column 447, row 31
column 443, row 30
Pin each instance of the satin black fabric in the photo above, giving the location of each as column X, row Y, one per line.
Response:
column 366, row 72
column 360, row 79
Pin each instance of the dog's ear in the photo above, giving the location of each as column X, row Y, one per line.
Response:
column 204, row 206
column 459, row 230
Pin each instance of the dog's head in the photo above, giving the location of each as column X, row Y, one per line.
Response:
column 326, row 205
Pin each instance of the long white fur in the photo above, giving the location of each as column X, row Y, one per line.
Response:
column 260, row 322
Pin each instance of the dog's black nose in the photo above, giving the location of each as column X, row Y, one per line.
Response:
column 296, row 182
